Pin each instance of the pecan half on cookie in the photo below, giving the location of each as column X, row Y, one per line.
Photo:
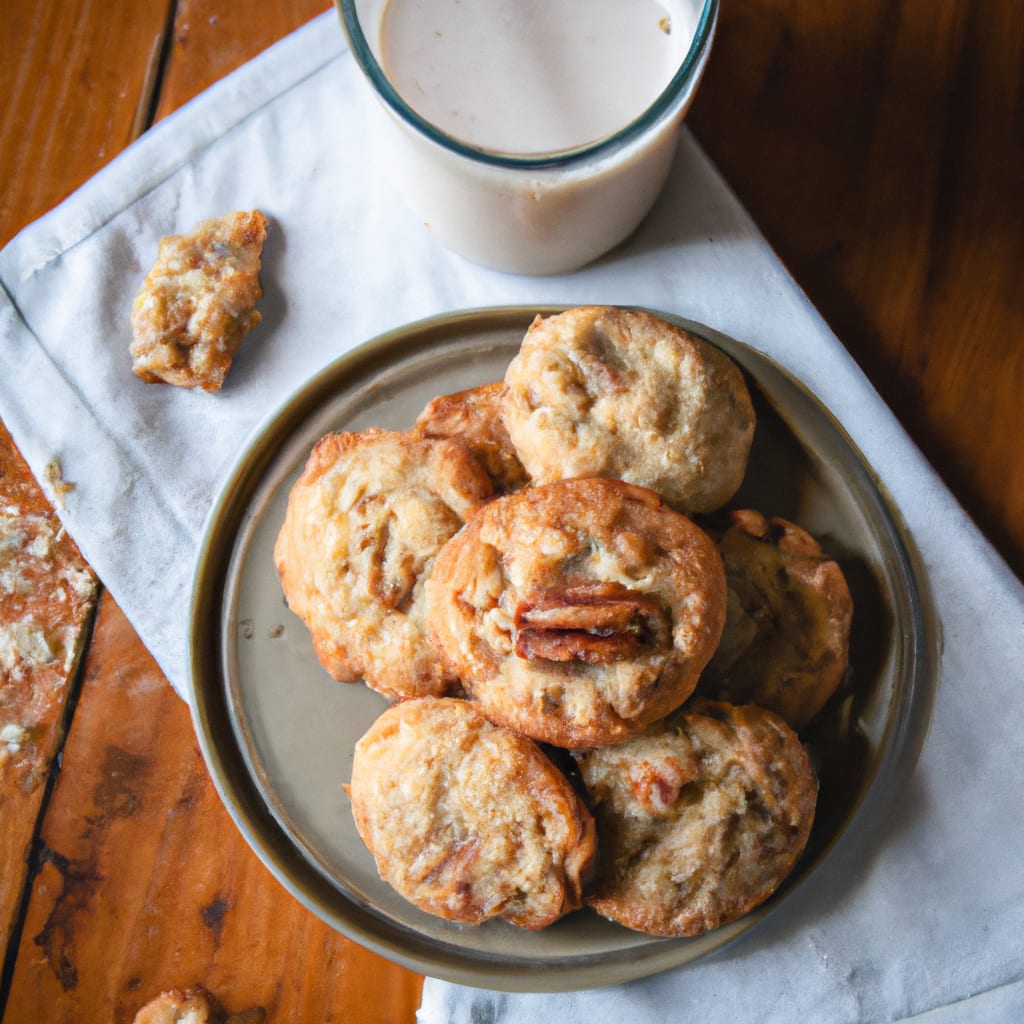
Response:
column 597, row 623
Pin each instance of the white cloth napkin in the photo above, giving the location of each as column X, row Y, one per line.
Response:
column 920, row 911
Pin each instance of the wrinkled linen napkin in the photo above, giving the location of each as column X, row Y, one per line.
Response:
column 919, row 912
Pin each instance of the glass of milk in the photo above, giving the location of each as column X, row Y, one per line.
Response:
column 529, row 135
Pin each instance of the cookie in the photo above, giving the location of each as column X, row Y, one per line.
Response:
column 699, row 819
column 577, row 612
column 469, row 821
column 787, row 633
column 602, row 391
column 364, row 523
column 198, row 302
column 474, row 415
column 181, row 1006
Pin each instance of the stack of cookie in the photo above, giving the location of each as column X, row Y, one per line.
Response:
column 596, row 695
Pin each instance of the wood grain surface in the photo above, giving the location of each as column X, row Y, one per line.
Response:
column 880, row 148
column 75, row 77
column 144, row 885
column 47, row 596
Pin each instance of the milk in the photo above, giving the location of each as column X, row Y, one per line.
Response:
column 532, row 76
column 522, row 132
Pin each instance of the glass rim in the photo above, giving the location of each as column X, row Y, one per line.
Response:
column 662, row 106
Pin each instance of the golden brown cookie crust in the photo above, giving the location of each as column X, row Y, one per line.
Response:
column 469, row 821
column 577, row 612
column 602, row 391
column 699, row 819
column 364, row 523
column 787, row 633
column 198, row 302
column 475, row 416
column 181, row 1006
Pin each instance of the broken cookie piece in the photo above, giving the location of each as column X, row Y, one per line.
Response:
column 198, row 302
column 189, row 1006
column 193, row 1006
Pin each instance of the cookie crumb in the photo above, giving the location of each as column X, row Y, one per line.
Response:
column 193, row 1005
column 61, row 488
column 189, row 1006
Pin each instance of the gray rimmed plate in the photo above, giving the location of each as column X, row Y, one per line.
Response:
column 277, row 733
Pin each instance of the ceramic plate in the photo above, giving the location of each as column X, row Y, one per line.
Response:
column 278, row 733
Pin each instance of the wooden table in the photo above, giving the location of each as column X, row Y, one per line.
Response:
column 879, row 146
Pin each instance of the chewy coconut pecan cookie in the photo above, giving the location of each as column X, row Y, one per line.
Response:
column 467, row 820
column 699, row 818
column 475, row 416
column 364, row 523
column 577, row 612
column 787, row 634
column 602, row 391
